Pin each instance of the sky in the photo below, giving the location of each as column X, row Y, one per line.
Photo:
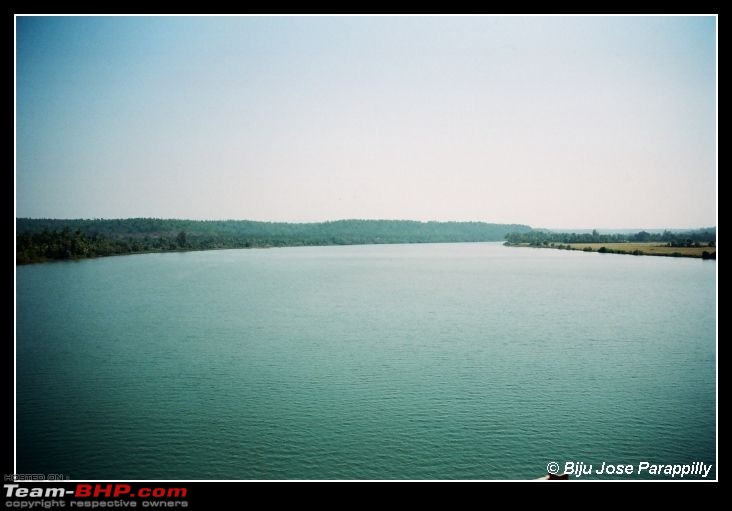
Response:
column 582, row 122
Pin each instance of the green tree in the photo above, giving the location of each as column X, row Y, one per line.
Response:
column 181, row 239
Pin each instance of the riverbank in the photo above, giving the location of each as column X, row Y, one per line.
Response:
column 631, row 248
column 39, row 240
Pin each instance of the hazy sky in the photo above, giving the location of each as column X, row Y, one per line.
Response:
column 550, row 121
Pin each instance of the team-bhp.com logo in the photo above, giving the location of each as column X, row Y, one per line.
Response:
column 95, row 491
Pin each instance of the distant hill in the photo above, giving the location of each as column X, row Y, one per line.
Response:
column 47, row 239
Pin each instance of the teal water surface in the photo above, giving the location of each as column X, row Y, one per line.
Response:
column 435, row 361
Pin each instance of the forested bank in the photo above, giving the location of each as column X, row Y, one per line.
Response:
column 51, row 239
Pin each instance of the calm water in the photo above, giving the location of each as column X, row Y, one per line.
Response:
column 391, row 361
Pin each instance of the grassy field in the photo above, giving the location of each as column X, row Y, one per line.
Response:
column 651, row 248
column 646, row 249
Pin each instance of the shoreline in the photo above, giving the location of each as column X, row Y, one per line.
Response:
column 251, row 247
column 630, row 248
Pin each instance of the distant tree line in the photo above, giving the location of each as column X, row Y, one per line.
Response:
column 693, row 238
column 50, row 239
